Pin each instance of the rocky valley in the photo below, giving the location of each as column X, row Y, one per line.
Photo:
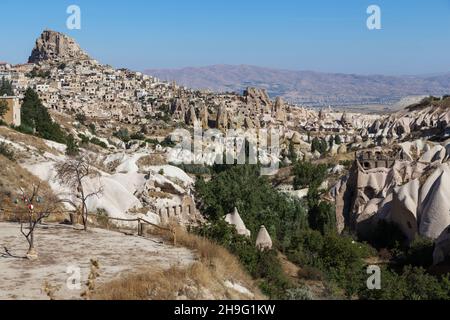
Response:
column 85, row 145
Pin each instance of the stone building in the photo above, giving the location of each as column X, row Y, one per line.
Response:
column 12, row 116
column 372, row 159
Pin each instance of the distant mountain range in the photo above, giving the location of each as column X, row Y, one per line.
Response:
column 308, row 87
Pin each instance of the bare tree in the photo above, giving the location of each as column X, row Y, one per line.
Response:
column 33, row 214
column 74, row 173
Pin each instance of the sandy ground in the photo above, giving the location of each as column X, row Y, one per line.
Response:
column 61, row 247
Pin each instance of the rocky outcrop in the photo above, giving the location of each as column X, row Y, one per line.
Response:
column 222, row 118
column 235, row 219
column 55, row 46
column 263, row 240
column 258, row 99
column 279, row 110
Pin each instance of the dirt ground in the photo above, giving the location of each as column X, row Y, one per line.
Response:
column 61, row 249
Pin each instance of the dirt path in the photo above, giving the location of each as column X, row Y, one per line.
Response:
column 61, row 247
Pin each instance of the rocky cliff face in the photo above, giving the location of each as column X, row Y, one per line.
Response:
column 55, row 46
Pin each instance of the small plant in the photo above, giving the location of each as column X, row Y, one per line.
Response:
column 299, row 293
column 6, row 151
column 50, row 290
column 72, row 146
column 102, row 218
column 90, row 283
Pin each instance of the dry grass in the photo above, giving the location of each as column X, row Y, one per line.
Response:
column 202, row 280
column 27, row 140
column 12, row 178
column 151, row 160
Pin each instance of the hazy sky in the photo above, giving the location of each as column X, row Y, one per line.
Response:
column 320, row 35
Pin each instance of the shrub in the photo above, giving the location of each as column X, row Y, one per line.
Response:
column 308, row 174
column 81, row 118
column 84, row 139
column 299, row 293
column 137, row 136
column 98, row 142
column 123, row 135
column 413, row 283
column 72, row 146
column 319, row 145
column 92, row 128
column 386, row 235
column 6, row 151
column 420, row 253
column 322, row 217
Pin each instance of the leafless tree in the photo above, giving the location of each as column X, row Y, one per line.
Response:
column 32, row 214
column 74, row 173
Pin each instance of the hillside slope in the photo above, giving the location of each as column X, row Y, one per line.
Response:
column 308, row 87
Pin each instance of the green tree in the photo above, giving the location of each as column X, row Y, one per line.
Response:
column 308, row 174
column 71, row 146
column 6, row 88
column 337, row 139
column 319, row 145
column 35, row 117
column 3, row 108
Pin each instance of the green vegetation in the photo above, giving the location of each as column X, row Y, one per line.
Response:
column 137, row 136
column 241, row 186
column 36, row 119
column 3, row 108
column 412, row 283
column 71, row 146
column 36, row 73
column 167, row 142
column 337, row 139
column 92, row 128
column 98, row 142
column 305, row 231
column 6, row 88
column 319, row 145
column 123, row 135
column 81, row 118
column 6, row 151
column 307, row 174
column 94, row 140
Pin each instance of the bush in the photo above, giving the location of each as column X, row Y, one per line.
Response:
column 123, row 135
column 322, row 217
column 137, row 136
column 98, row 142
column 319, row 145
column 24, row 129
column 299, row 293
column 6, row 151
column 72, row 146
column 412, row 283
column 92, row 128
column 308, row 174
column 386, row 235
column 420, row 253
column 81, row 118
column 84, row 139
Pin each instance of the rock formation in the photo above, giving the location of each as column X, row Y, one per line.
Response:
column 263, row 240
column 222, row 118
column 235, row 219
column 55, row 46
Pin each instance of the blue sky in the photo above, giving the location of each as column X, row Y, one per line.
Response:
column 320, row 35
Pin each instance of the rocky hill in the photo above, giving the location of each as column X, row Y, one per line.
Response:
column 308, row 87
column 55, row 46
